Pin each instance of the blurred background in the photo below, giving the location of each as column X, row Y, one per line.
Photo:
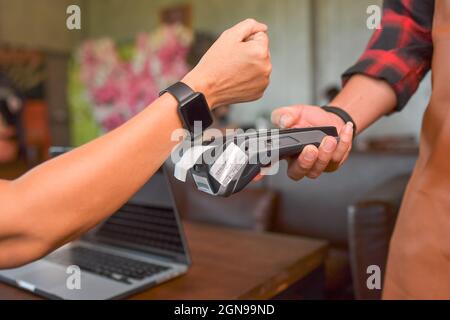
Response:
column 65, row 87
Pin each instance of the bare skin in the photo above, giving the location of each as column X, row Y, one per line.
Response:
column 63, row 198
column 364, row 98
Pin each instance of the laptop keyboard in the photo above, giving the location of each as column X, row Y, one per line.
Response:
column 106, row 265
column 145, row 226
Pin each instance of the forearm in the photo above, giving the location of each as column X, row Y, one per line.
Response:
column 366, row 99
column 64, row 197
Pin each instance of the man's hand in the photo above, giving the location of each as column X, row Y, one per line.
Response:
column 313, row 161
column 236, row 68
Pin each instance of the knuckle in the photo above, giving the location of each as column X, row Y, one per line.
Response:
column 345, row 141
column 260, row 94
column 260, row 52
column 262, row 85
column 322, row 161
column 268, row 70
column 337, row 158
column 304, row 167
column 313, row 175
column 265, row 53
column 265, row 39
column 304, row 164
column 293, row 176
column 225, row 33
column 250, row 21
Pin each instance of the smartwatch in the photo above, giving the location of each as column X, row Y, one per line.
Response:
column 192, row 108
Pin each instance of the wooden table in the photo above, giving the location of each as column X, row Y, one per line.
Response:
column 233, row 264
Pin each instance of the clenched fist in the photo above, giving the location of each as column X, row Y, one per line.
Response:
column 236, row 68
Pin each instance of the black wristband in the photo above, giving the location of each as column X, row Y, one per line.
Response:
column 192, row 107
column 341, row 114
column 180, row 91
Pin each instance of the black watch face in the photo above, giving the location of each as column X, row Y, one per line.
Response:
column 196, row 111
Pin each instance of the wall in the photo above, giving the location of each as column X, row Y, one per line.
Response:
column 42, row 25
column 38, row 24
column 342, row 37
column 288, row 22
column 289, row 26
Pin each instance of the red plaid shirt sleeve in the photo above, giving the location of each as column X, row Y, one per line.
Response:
column 400, row 51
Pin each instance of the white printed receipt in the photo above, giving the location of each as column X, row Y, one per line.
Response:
column 188, row 160
column 228, row 164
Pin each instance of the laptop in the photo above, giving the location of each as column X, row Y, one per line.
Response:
column 140, row 246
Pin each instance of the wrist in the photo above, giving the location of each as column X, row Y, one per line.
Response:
column 337, row 121
column 341, row 114
column 199, row 84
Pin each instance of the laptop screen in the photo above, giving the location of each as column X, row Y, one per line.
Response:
column 148, row 222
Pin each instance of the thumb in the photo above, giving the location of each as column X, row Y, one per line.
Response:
column 247, row 28
column 286, row 117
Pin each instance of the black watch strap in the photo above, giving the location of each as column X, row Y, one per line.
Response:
column 179, row 90
column 341, row 114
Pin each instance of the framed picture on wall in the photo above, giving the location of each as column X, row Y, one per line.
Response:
column 26, row 70
column 177, row 14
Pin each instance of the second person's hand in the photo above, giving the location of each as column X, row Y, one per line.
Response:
column 312, row 162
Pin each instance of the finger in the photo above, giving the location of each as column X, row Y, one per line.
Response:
column 343, row 147
column 258, row 44
column 326, row 149
column 286, row 117
column 299, row 167
column 260, row 37
column 258, row 178
column 266, row 171
column 247, row 28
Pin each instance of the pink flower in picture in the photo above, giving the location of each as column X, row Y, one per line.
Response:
column 119, row 89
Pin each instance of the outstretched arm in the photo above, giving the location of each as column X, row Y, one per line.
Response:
column 64, row 197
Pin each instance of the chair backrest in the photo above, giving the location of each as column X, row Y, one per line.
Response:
column 371, row 222
column 36, row 125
